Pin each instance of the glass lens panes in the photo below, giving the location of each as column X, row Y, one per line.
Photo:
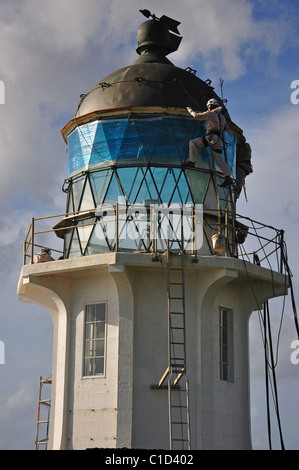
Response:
column 114, row 192
column 77, row 187
column 147, row 191
column 198, row 182
column 114, row 134
column 85, row 227
column 130, row 179
column 99, row 182
column 87, row 201
column 75, row 249
column 95, row 337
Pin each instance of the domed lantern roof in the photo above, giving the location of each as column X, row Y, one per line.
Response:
column 152, row 80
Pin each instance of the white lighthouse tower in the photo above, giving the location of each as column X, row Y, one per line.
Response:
column 152, row 295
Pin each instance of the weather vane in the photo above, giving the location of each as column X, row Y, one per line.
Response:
column 171, row 24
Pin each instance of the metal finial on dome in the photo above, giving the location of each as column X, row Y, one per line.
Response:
column 158, row 33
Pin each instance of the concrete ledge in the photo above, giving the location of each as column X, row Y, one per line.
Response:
column 68, row 266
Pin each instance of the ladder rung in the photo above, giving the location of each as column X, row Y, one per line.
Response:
column 175, row 298
column 179, row 422
column 175, row 342
column 177, row 313
column 176, row 327
column 181, row 440
column 43, row 422
column 176, row 283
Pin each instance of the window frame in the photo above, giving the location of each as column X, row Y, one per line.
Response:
column 84, row 357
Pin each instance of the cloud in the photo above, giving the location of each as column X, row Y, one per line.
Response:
column 53, row 51
column 226, row 37
column 17, row 413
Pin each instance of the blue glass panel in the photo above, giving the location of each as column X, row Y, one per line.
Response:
column 147, row 137
column 75, row 160
column 166, row 144
column 131, row 146
column 100, row 149
column 230, row 151
column 109, row 137
column 80, row 144
column 183, row 134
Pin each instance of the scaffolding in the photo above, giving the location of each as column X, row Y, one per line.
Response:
column 43, row 416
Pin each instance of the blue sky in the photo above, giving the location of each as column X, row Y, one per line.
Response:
column 51, row 52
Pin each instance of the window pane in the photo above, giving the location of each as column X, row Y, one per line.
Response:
column 89, row 348
column 89, row 330
column 100, row 330
column 99, row 347
column 99, row 366
column 100, row 312
column 88, row 369
column 90, row 313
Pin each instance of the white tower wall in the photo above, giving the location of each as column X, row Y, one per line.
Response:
column 120, row 409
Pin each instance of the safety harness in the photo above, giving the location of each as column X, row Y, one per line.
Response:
column 213, row 132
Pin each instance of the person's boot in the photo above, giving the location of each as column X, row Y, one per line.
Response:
column 228, row 180
column 189, row 164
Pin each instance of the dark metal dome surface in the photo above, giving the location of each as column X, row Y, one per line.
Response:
column 151, row 81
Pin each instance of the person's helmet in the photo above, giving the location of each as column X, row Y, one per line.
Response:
column 46, row 250
column 212, row 102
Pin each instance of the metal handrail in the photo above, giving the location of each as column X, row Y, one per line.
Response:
column 231, row 225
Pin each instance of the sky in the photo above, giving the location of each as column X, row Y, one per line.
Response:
column 53, row 51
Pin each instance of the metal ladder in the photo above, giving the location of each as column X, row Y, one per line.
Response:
column 178, row 393
column 47, row 404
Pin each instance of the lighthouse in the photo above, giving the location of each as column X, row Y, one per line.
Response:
column 151, row 292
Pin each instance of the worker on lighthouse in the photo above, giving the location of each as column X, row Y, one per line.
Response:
column 215, row 125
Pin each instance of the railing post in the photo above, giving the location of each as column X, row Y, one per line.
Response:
column 24, row 252
column 281, row 242
column 116, row 226
column 32, row 241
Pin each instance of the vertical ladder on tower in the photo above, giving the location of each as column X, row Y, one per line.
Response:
column 42, row 422
column 178, row 394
